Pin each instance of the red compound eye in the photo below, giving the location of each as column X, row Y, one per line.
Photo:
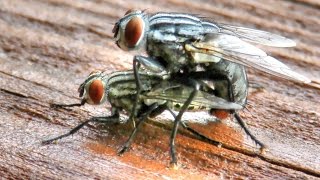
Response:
column 96, row 91
column 133, row 31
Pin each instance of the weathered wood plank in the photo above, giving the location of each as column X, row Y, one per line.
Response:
column 47, row 48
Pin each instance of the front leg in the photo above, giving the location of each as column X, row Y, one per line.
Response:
column 154, row 67
column 68, row 105
column 149, row 63
column 113, row 119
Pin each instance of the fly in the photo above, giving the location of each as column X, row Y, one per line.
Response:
column 157, row 95
column 184, row 41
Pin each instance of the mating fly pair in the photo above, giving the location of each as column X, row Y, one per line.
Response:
column 157, row 95
column 211, row 57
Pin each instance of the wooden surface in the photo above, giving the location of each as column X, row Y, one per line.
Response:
column 47, row 48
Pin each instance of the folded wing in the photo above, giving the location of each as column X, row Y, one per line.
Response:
column 233, row 49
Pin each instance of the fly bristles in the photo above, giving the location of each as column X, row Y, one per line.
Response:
column 130, row 11
column 96, row 71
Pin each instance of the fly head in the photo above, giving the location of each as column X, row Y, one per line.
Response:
column 130, row 31
column 92, row 90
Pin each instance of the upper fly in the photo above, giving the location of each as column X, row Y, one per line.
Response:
column 185, row 44
column 180, row 41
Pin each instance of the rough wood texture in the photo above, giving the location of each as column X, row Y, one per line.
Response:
column 47, row 48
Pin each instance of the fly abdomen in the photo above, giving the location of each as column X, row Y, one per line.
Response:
column 238, row 80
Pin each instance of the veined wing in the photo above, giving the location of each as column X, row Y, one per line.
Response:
column 256, row 36
column 235, row 50
column 179, row 94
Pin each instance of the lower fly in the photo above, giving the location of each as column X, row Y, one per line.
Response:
column 157, row 95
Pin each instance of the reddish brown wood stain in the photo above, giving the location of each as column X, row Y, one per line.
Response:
column 47, row 48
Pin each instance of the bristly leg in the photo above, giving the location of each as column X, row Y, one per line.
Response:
column 201, row 136
column 143, row 117
column 236, row 115
column 244, row 126
column 178, row 120
column 109, row 119
column 196, row 133
column 151, row 65
column 136, row 67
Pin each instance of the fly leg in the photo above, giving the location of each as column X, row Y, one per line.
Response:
column 196, row 133
column 178, row 120
column 149, row 64
column 238, row 118
column 113, row 119
column 203, row 137
column 246, row 129
column 222, row 77
column 142, row 118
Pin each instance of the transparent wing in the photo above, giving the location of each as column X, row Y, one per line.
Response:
column 235, row 50
column 256, row 36
column 179, row 94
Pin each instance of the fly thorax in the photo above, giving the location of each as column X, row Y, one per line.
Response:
column 122, row 89
column 125, row 103
column 168, row 48
column 174, row 58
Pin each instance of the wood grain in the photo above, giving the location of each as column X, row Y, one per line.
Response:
column 47, row 48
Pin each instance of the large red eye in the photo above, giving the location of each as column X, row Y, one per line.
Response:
column 133, row 31
column 96, row 91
